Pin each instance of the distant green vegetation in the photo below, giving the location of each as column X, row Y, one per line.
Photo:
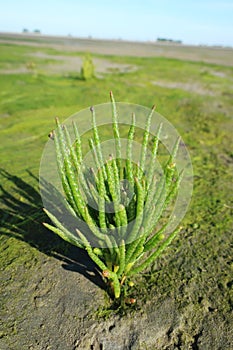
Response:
column 169, row 40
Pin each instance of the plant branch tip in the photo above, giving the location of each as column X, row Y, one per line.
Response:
column 106, row 273
column 130, row 301
column 51, row 135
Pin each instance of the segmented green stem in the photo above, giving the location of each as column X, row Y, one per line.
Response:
column 62, row 173
column 101, row 204
column 113, row 192
column 174, row 151
column 165, row 195
column 145, row 143
column 138, row 252
column 116, row 132
column 156, row 254
column 70, row 175
column 100, row 183
column 76, row 163
column 116, row 177
column 123, row 220
column 133, row 247
column 155, row 199
column 61, row 231
column 97, row 142
column 78, row 143
column 152, row 165
column 121, row 258
column 90, row 252
column 156, row 238
column 139, row 211
column 129, row 167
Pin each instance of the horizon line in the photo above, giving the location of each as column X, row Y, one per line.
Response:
column 158, row 41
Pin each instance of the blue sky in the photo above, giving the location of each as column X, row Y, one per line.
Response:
column 194, row 22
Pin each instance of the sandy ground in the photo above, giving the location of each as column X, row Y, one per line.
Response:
column 218, row 55
column 67, row 64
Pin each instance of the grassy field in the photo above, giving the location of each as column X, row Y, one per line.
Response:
column 196, row 97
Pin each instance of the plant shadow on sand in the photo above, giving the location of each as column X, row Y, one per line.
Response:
column 22, row 217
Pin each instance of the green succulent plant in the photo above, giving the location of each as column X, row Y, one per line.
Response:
column 88, row 69
column 124, row 241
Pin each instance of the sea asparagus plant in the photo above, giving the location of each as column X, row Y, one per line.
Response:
column 125, row 241
column 88, row 69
